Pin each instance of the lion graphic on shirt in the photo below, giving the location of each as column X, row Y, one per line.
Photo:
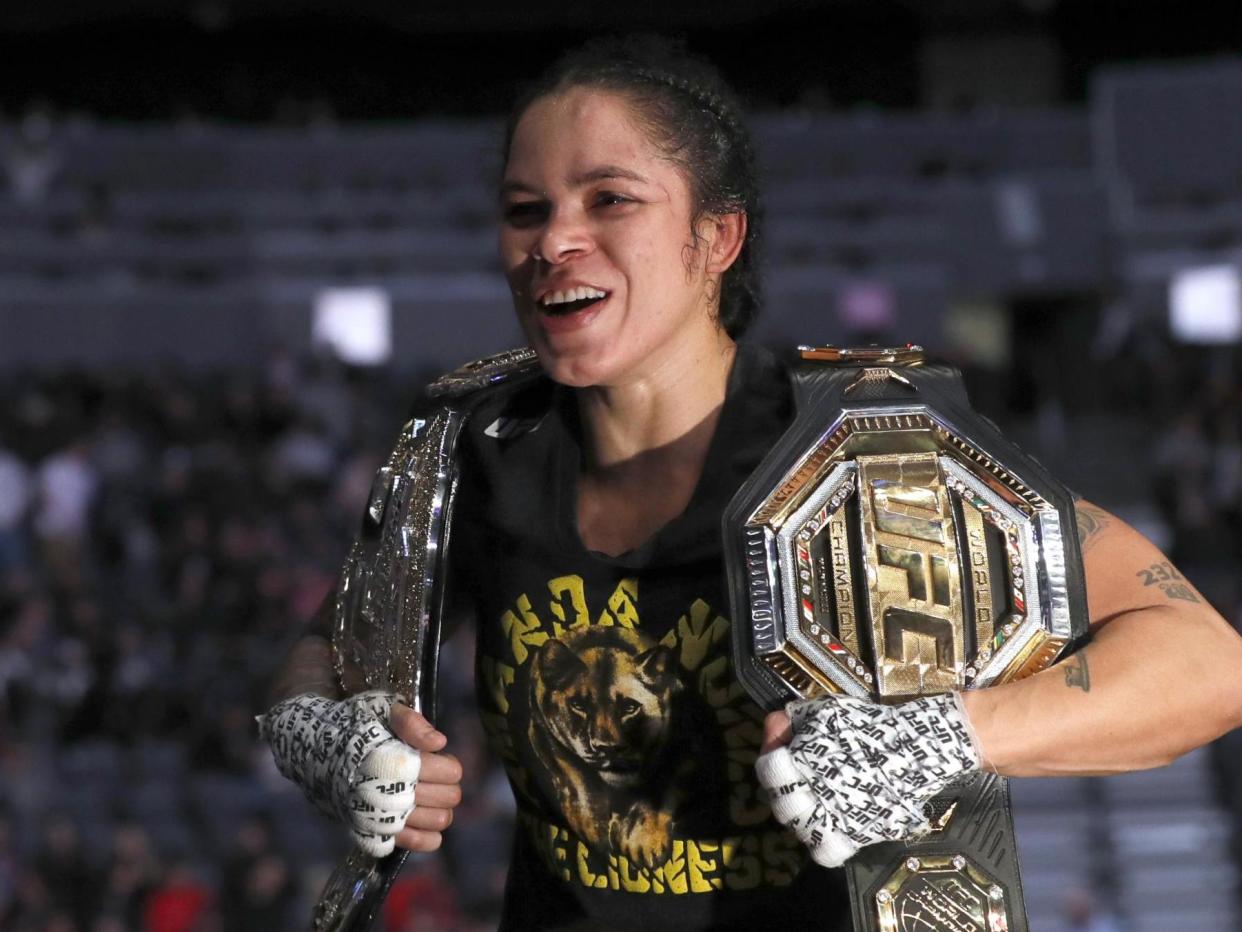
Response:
column 602, row 706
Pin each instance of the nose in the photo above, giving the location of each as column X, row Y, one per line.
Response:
column 565, row 236
column 605, row 737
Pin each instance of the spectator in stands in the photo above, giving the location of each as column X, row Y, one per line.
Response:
column 24, row 645
column 66, row 871
column 258, row 890
column 180, row 902
column 67, row 485
column 32, row 161
column 32, row 907
column 16, row 491
column 303, row 454
column 132, row 873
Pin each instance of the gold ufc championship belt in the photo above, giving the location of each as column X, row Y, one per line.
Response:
column 391, row 594
column 894, row 545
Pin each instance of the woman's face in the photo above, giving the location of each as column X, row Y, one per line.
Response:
column 596, row 241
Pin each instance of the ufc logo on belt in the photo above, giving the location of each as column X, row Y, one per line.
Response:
column 913, row 574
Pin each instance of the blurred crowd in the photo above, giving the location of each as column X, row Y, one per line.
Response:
column 165, row 534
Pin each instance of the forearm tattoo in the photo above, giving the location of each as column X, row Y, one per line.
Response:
column 1165, row 576
column 1077, row 673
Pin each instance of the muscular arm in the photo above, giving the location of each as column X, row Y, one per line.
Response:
column 1162, row 674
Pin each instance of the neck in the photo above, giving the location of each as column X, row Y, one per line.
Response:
column 645, row 446
column 670, row 411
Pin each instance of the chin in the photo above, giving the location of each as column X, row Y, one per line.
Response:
column 571, row 376
column 575, row 370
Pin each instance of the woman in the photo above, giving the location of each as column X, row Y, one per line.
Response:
column 587, row 546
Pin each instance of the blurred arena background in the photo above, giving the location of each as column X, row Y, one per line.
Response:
column 236, row 237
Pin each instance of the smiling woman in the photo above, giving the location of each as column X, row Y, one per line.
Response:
column 610, row 243
column 587, row 547
column 687, row 112
column 614, row 278
column 629, row 231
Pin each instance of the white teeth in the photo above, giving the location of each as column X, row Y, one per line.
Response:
column 581, row 293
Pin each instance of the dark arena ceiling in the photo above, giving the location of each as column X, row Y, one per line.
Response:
column 384, row 59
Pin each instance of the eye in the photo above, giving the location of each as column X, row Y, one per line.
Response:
column 524, row 213
column 629, row 708
column 579, row 705
column 612, row 199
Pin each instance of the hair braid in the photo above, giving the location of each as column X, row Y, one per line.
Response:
column 722, row 110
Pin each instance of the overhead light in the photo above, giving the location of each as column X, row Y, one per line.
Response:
column 1205, row 304
column 355, row 324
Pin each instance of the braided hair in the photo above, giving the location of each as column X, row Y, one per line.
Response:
column 694, row 119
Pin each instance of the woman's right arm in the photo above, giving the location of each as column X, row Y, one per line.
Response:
column 309, row 669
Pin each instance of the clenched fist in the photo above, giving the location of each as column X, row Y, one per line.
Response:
column 856, row 772
column 348, row 762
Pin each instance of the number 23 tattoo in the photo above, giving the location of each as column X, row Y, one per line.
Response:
column 1166, row 577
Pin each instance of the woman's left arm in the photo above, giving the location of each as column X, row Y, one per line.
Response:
column 1161, row 675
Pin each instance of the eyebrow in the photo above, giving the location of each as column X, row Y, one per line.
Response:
column 602, row 173
column 605, row 172
column 517, row 187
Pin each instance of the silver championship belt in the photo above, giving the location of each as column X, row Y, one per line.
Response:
column 391, row 594
column 894, row 545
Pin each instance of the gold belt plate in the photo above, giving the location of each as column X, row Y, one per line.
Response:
column 895, row 559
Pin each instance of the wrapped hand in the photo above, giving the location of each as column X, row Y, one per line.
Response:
column 857, row 772
column 347, row 761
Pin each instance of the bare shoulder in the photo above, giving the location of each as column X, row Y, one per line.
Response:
column 1125, row 571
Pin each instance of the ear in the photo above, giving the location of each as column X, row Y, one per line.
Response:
column 725, row 234
column 655, row 665
column 557, row 663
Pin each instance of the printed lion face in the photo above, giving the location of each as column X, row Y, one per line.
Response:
column 605, row 700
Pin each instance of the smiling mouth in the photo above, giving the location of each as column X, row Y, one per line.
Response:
column 564, row 303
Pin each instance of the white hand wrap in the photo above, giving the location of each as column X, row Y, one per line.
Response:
column 347, row 762
column 857, row 772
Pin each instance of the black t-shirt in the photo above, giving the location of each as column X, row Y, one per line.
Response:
column 607, row 687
